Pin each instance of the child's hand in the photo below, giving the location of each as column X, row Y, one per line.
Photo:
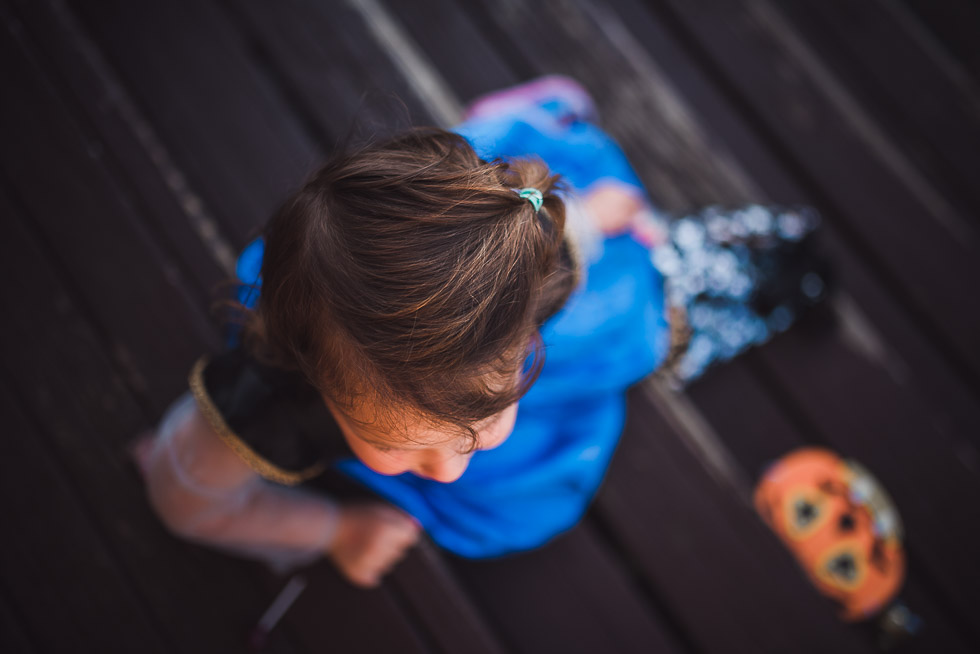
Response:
column 614, row 207
column 370, row 540
column 620, row 209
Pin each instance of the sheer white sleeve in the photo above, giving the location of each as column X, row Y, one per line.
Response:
column 205, row 493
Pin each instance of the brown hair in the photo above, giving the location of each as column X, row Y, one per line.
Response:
column 410, row 271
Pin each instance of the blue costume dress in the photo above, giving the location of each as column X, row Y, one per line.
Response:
column 611, row 334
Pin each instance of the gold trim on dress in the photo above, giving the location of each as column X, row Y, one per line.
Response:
column 255, row 461
column 680, row 339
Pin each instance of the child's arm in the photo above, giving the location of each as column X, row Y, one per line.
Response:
column 206, row 493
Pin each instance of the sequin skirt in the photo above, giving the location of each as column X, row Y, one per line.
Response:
column 733, row 279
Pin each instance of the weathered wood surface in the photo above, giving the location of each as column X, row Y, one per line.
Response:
column 145, row 143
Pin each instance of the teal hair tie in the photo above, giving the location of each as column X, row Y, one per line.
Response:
column 533, row 196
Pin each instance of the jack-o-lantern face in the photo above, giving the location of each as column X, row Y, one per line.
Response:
column 841, row 526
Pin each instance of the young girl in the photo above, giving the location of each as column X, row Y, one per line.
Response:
column 455, row 332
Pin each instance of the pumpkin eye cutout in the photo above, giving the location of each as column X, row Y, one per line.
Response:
column 846, row 523
column 804, row 512
column 843, row 567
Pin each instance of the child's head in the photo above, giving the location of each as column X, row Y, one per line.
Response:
column 407, row 281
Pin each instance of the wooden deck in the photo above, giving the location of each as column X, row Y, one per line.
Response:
column 144, row 143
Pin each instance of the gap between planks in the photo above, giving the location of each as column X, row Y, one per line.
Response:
column 199, row 217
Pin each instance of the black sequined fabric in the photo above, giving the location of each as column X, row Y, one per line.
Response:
column 738, row 277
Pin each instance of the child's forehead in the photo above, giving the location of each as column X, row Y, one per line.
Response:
column 383, row 423
column 407, row 437
column 398, row 426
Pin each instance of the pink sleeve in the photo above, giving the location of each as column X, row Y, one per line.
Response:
column 205, row 493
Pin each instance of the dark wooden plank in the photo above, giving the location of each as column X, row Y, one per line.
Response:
column 430, row 592
column 723, row 576
column 13, row 637
column 829, row 141
column 113, row 261
column 569, row 596
column 422, row 586
column 332, row 615
column 889, row 68
column 635, row 101
column 68, row 587
column 954, row 26
column 170, row 207
column 463, row 55
column 758, row 430
column 337, row 74
column 225, row 122
column 201, row 601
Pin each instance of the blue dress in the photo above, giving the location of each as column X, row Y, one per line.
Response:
column 611, row 334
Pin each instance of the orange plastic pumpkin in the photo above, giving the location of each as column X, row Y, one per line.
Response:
column 841, row 526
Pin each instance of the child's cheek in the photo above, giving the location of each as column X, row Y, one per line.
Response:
column 500, row 430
